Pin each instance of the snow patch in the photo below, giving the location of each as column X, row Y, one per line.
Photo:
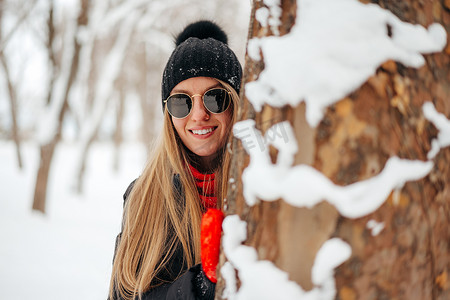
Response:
column 229, row 275
column 375, row 227
column 262, row 16
column 253, row 49
column 333, row 48
column 332, row 253
column 304, row 186
column 261, row 279
column 275, row 15
column 442, row 124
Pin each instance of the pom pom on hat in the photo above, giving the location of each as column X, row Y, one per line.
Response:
column 202, row 30
column 201, row 51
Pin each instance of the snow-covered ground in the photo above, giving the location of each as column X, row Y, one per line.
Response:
column 66, row 253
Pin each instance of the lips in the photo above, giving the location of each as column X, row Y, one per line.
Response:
column 202, row 131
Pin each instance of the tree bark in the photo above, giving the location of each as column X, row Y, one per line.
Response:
column 409, row 259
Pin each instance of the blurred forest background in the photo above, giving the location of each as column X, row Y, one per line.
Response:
column 80, row 105
column 85, row 71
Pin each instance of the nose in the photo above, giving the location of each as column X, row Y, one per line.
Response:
column 199, row 112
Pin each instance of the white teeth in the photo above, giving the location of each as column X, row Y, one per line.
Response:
column 202, row 131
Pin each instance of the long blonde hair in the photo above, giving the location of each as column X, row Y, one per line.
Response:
column 155, row 222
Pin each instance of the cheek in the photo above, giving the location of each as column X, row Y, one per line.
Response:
column 179, row 126
column 226, row 120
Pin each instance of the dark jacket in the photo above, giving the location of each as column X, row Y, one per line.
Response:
column 192, row 285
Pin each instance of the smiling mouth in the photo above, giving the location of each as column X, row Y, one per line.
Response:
column 203, row 131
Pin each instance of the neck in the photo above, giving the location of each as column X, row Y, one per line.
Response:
column 204, row 164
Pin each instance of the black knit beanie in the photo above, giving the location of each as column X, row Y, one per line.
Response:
column 201, row 50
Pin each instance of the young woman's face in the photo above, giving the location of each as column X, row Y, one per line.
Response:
column 202, row 132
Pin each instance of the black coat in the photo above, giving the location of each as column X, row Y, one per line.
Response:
column 192, row 285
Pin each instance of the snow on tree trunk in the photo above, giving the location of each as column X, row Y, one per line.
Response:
column 362, row 162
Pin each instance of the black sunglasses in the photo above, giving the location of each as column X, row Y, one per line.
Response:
column 216, row 101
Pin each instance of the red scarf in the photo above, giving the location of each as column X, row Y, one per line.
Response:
column 206, row 188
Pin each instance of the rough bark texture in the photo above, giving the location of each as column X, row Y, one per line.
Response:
column 410, row 258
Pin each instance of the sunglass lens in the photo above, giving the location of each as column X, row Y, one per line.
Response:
column 216, row 100
column 179, row 105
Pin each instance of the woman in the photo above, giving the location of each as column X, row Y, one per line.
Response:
column 158, row 251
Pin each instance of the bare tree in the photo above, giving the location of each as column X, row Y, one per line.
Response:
column 58, row 104
column 354, row 141
column 110, row 71
column 15, row 134
column 13, row 106
column 118, row 133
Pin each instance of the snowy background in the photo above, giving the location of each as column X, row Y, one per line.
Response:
column 67, row 252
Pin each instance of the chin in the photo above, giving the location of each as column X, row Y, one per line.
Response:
column 203, row 153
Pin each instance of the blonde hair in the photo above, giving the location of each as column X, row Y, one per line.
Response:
column 155, row 222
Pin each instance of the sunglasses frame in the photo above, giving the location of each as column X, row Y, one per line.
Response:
column 203, row 100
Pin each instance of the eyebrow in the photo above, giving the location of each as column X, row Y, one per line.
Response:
column 176, row 91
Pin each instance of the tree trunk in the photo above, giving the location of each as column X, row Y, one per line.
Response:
column 12, row 96
column 118, row 133
column 145, row 87
column 85, row 147
column 103, row 94
column 409, row 259
column 13, row 106
column 40, row 189
column 47, row 150
column 14, row 114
